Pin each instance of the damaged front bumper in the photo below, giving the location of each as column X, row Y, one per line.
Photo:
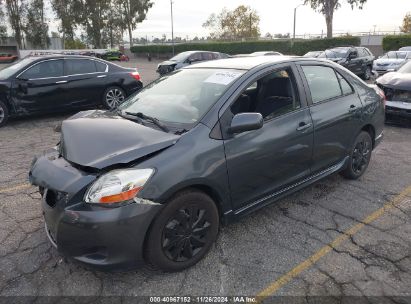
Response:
column 102, row 237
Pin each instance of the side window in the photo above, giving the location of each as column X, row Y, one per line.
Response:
column 345, row 86
column 45, row 69
column 101, row 67
column 272, row 95
column 362, row 52
column 195, row 57
column 79, row 66
column 322, row 81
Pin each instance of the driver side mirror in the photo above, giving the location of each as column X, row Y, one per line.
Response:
column 243, row 122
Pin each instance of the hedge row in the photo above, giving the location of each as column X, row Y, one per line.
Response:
column 300, row 47
column 393, row 43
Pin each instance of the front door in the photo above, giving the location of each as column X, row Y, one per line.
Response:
column 263, row 161
column 42, row 87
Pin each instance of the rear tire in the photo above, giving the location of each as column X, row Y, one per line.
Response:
column 113, row 96
column 360, row 157
column 4, row 114
column 183, row 232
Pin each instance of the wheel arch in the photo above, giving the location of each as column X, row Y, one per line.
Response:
column 212, row 191
column 369, row 128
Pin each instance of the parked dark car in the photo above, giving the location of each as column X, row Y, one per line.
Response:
column 397, row 88
column 358, row 60
column 186, row 58
column 57, row 83
column 202, row 146
column 8, row 58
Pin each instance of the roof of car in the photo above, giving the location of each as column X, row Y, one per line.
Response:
column 245, row 63
column 57, row 56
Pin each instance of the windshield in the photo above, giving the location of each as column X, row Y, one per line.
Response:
column 334, row 53
column 10, row 70
column 397, row 55
column 406, row 68
column 182, row 97
column 181, row 57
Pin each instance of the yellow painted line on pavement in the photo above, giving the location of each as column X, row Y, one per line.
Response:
column 18, row 187
column 276, row 285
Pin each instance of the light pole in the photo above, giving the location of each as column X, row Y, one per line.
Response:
column 295, row 18
column 172, row 26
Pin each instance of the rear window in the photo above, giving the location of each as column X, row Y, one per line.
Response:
column 79, row 66
column 101, row 67
column 323, row 82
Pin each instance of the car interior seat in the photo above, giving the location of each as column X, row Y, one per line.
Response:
column 274, row 96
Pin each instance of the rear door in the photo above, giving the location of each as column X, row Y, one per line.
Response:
column 41, row 87
column 336, row 111
column 86, row 81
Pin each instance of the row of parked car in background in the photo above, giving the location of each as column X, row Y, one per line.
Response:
column 84, row 79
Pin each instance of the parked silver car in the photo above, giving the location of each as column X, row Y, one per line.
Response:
column 391, row 61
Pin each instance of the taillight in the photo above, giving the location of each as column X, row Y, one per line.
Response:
column 382, row 95
column 136, row 75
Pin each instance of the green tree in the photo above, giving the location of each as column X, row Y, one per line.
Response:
column 114, row 25
column 94, row 16
column 327, row 8
column 3, row 26
column 36, row 29
column 242, row 22
column 406, row 24
column 74, row 44
column 69, row 14
column 16, row 11
column 134, row 12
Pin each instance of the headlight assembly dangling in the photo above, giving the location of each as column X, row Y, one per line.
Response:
column 118, row 186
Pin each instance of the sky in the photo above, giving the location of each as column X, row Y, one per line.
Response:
column 276, row 16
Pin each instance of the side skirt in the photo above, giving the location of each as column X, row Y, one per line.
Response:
column 286, row 191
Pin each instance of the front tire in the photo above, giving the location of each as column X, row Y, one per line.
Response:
column 4, row 114
column 113, row 97
column 367, row 73
column 183, row 232
column 360, row 156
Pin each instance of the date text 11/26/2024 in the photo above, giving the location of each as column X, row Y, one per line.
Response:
column 203, row 299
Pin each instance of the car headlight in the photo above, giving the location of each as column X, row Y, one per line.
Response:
column 117, row 186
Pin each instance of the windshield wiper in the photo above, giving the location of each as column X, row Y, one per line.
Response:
column 150, row 118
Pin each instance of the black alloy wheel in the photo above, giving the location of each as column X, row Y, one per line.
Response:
column 113, row 97
column 183, row 232
column 360, row 156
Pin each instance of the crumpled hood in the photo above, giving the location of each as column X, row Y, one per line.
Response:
column 168, row 62
column 400, row 81
column 99, row 139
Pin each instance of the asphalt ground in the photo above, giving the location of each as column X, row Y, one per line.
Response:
column 337, row 241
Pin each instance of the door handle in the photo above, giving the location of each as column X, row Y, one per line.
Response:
column 101, row 76
column 61, row 81
column 352, row 108
column 303, row 126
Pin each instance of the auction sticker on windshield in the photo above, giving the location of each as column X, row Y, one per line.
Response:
column 223, row 77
